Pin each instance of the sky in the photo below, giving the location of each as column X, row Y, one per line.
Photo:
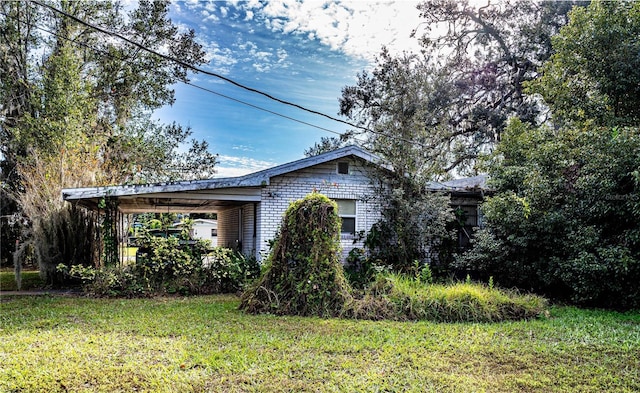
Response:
column 302, row 52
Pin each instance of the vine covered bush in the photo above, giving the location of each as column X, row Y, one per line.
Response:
column 303, row 274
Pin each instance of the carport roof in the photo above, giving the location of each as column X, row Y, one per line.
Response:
column 201, row 195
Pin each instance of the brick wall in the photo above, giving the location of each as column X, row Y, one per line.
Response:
column 322, row 178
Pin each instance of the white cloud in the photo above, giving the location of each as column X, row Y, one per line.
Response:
column 223, row 171
column 243, row 148
column 231, row 166
column 220, row 59
column 357, row 28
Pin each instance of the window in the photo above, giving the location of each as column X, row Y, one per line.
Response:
column 468, row 220
column 343, row 168
column 347, row 212
column 214, row 232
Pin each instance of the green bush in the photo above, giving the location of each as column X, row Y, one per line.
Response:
column 402, row 298
column 170, row 264
column 167, row 267
column 360, row 270
column 564, row 220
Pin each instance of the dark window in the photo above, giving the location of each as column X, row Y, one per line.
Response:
column 343, row 168
column 214, row 232
column 468, row 220
column 348, row 225
column 347, row 212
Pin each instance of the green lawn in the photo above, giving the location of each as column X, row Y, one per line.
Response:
column 30, row 280
column 202, row 344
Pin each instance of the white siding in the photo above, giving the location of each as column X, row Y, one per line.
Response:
column 248, row 235
column 322, row 178
column 228, row 227
column 231, row 233
column 202, row 229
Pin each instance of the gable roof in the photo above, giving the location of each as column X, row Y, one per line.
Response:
column 89, row 196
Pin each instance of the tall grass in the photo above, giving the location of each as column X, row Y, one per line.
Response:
column 401, row 298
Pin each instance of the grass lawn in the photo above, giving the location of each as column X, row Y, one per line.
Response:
column 30, row 280
column 202, row 344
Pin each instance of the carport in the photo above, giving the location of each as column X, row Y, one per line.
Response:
column 235, row 200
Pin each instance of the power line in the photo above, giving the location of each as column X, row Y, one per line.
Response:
column 105, row 53
column 262, row 109
column 194, row 68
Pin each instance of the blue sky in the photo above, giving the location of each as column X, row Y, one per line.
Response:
column 304, row 52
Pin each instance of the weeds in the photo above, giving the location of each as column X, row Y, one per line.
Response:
column 401, row 298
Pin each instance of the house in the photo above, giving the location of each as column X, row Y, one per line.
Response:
column 250, row 207
column 206, row 230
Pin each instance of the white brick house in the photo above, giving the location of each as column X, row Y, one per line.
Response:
column 250, row 207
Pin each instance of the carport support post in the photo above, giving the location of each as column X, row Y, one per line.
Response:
column 109, row 229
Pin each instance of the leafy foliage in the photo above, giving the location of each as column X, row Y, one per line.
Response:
column 430, row 115
column 451, row 102
column 412, row 229
column 303, row 274
column 326, row 145
column 73, row 99
column 168, row 267
column 594, row 71
column 565, row 219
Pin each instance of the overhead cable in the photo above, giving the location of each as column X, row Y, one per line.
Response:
column 194, row 68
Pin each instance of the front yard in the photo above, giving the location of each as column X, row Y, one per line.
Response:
column 203, row 344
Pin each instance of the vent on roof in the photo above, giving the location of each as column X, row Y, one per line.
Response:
column 343, row 168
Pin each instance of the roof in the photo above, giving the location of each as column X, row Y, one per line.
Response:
column 466, row 184
column 192, row 191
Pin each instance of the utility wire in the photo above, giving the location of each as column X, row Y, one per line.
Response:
column 105, row 53
column 197, row 69
column 261, row 108
column 194, row 68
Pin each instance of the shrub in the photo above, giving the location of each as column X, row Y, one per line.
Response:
column 303, row 275
column 360, row 270
column 402, row 298
column 229, row 271
column 168, row 267
column 564, row 219
column 170, row 264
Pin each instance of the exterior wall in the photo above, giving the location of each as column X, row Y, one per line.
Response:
column 248, row 229
column 202, row 230
column 322, row 178
column 228, row 227
column 235, row 228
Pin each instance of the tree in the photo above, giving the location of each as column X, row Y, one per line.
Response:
column 491, row 52
column 564, row 219
column 326, row 145
column 70, row 98
column 594, row 72
column 468, row 81
column 395, row 102
column 431, row 115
